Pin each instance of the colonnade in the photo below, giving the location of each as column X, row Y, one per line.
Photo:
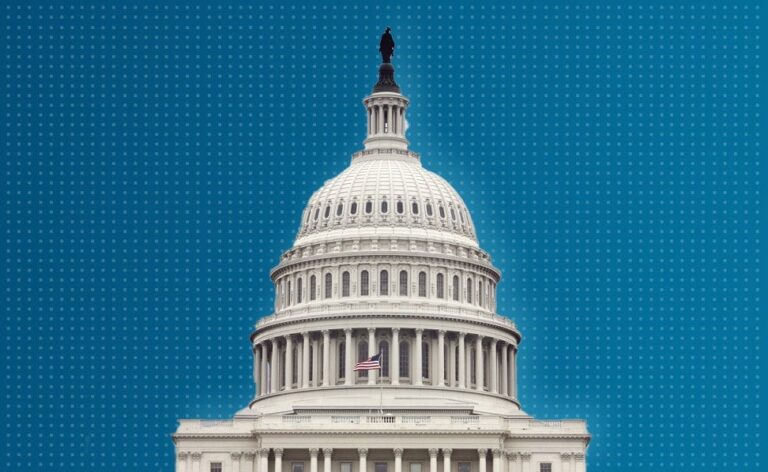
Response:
column 435, row 357
column 258, row 460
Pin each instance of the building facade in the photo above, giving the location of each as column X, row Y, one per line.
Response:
column 386, row 260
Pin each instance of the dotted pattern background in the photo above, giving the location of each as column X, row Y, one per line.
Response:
column 156, row 160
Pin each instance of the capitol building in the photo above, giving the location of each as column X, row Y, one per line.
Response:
column 386, row 261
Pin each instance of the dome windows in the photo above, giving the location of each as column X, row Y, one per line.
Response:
column 400, row 207
column 453, row 214
column 403, row 283
column 328, row 285
column 339, row 209
column 384, row 207
column 429, row 209
column 415, row 208
column 345, row 284
column 317, row 213
column 312, row 288
column 368, row 207
column 327, row 211
column 353, row 209
column 440, row 286
column 384, row 283
column 364, row 283
column 422, row 284
column 442, row 211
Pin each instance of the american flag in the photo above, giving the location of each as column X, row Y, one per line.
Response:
column 369, row 364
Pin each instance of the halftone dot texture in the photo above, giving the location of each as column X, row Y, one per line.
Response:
column 156, row 160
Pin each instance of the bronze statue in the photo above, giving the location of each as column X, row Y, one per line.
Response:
column 387, row 46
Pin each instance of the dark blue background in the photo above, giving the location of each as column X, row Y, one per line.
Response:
column 156, row 160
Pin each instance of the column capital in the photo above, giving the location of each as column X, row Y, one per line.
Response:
column 249, row 454
column 395, row 330
column 525, row 456
column 305, row 334
column 278, row 451
column 512, row 455
column 181, row 455
column 326, row 332
column 578, row 455
column 327, row 451
column 442, row 332
column 263, row 452
column 313, row 451
column 497, row 452
column 433, row 452
column 494, row 341
column 235, row 455
column 398, row 452
column 419, row 330
column 363, row 451
column 371, row 330
column 482, row 452
column 447, row 452
column 462, row 335
column 347, row 330
column 565, row 455
column 196, row 456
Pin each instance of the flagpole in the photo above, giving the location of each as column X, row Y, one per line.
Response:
column 381, row 388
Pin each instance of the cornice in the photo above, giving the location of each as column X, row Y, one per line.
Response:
column 358, row 432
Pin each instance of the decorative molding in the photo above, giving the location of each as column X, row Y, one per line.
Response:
column 313, row 451
column 327, row 451
column 512, row 455
column 196, row 456
column 363, row 451
column 181, row 455
column 565, row 455
column 482, row 452
column 433, row 452
column 497, row 452
column 447, row 452
column 525, row 456
column 578, row 455
column 398, row 452
column 250, row 455
column 278, row 451
column 235, row 455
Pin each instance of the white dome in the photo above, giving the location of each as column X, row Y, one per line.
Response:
column 386, row 194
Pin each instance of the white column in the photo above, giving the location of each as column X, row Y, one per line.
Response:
column 235, row 456
column 371, row 351
column 446, row 460
column 380, row 120
column 479, row 364
column 288, row 362
column 348, row 350
column 462, row 358
column 316, row 362
column 263, row 382
column 326, row 357
column 256, row 367
column 248, row 465
column 565, row 462
column 278, row 459
column 417, row 367
column 305, row 362
column 441, row 358
column 497, row 460
column 481, row 456
column 513, row 463
column 504, row 369
column 313, row 459
column 264, row 460
column 273, row 387
column 580, row 464
column 513, row 373
column 181, row 461
column 363, row 453
column 493, row 364
column 327, row 459
column 196, row 456
column 398, row 460
column 394, row 356
column 433, row 460
column 525, row 462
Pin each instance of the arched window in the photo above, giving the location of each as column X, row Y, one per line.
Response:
column 327, row 211
column 339, row 209
column 384, row 351
column 298, row 290
column 309, row 214
column 281, row 380
column 368, row 207
column 345, row 284
column 480, row 292
column 442, row 212
column 403, row 283
column 384, row 207
column 312, row 288
column 353, row 208
column 456, row 288
column 469, row 290
column 384, row 283
column 295, row 366
column 472, row 366
column 456, row 363
column 415, row 208
column 317, row 213
column 446, row 356
column 425, row 360
column 486, row 367
column 440, row 286
column 400, row 208
column 362, row 354
column 453, row 214
column 429, row 209
column 311, row 362
column 404, row 357
column 342, row 361
column 289, row 293
column 422, row 284
column 364, row 283
column 328, row 285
